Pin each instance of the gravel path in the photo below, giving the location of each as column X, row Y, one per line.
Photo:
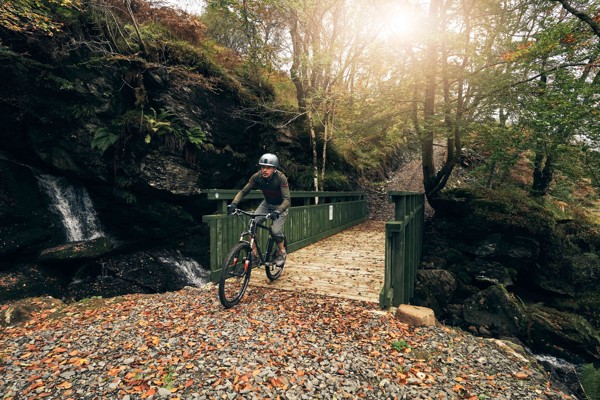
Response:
column 275, row 344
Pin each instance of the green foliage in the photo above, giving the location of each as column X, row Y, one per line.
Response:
column 501, row 209
column 127, row 196
column 83, row 111
column 338, row 181
column 196, row 136
column 39, row 16
column 300, row 177
column 157, row 125
column 185, row 54
column 166, row 123
column 400, row 345
column 171, row 50
column 103, row 139
column 590, row 381
column 504, row 146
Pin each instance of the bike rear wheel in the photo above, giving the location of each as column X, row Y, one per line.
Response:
column 273, row 270
column 235, row 274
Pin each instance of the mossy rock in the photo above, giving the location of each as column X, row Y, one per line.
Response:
column 585, row 304
column 574, row 275
column 562, row 334
column 479, row 212
column 497, row 310
column 83, row 250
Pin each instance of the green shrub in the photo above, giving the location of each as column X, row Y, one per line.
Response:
column 337, row 182
column 400, row 345
column 103, row 139
column 590, row 381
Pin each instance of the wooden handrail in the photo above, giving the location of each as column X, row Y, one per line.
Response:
column 229, row 194
column 305, row 224
column 223, row 196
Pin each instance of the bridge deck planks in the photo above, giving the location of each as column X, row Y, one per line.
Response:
column 349, row 264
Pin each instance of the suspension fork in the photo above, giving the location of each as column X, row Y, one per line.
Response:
column 269, row 249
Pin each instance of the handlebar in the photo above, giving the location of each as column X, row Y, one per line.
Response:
column 239, row 211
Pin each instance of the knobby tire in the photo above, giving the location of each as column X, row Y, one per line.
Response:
column 235, row 275
column 272, row 270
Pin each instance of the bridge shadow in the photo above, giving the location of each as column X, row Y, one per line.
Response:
column 349, row 264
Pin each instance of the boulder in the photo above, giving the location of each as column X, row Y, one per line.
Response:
column 415, row 315
column 154, row 270
column 77, row 251
column 434, row 289
column 22, row 310
column 488, row 273
column 574, row 275
column 496, row 310
column 562, row 334
column 170, row 174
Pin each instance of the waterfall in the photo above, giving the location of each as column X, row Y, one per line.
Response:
column 75, row 207
column 189, row 268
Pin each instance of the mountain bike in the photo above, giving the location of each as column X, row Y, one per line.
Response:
column 240, row 261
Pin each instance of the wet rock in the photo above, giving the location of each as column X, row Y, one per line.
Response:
column 489, row 273
column 434, row 289
column 168, row 173
column 78, row 251
column 497, row 310
column 26, row 223
column 564, row 334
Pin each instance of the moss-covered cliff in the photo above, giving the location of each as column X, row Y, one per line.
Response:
column 143, row 112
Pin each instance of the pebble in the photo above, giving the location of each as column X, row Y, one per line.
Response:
column 273, row 344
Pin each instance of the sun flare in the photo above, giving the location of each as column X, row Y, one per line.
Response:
column 399, row 20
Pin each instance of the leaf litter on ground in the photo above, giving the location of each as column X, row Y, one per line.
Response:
column 273, row 344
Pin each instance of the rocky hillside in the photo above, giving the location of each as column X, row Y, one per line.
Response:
column 133, row 134
column 497, row 264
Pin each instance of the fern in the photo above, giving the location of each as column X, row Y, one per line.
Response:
column 125, row 195
column 103, row 139
column 196, row 136
column 82, row 111
column 590, row 381
column 158, row 124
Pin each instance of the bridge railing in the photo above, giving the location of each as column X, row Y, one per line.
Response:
column 312, row 217
column 403, row 248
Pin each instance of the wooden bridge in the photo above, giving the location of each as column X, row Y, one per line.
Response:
column 349, row 264
column 333, row 248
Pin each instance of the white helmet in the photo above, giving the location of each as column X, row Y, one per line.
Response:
column 269, row 159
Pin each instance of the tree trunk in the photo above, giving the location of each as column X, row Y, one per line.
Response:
column 543, row 172
column 297, row 51
column 313, row 145
column 429, row 107
column 327, row 136
column 324, row 154
column 135, row 26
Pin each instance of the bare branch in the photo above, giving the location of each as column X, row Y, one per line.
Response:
column 582, row 16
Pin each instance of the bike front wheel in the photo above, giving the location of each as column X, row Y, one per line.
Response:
column 273, row 270
column 235, row 274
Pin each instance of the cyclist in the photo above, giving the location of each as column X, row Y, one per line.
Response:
column 274, row 185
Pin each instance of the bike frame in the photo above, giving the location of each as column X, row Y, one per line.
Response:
column 235, row 277
column 253, row 238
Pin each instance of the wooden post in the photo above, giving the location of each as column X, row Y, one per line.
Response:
column 404, row 240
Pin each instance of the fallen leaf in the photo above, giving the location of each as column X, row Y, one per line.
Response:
column 522, row 375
